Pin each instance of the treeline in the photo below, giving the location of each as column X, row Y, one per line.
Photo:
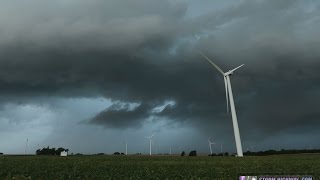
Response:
column 50, row 151
column 282, row 151
column 219, row 154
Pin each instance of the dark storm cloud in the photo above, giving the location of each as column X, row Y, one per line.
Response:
column 79, row 43
column 146, row 52
column 119, row 117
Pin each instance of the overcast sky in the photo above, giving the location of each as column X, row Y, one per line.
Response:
column 87, row 75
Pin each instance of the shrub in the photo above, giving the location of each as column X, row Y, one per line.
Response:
column 193, row 153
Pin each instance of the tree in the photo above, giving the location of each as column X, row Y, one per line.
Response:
column 50, row 151
column 193, row 153
column 183, row 153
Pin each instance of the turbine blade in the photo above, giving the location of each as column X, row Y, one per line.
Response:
column 237, row 68
column 226, row 86
column 217, row 67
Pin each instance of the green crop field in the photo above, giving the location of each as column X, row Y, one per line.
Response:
column 158, row 167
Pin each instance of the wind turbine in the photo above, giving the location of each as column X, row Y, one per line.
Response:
column 150, row 138
column 126, row 142
column 252, row 147
column 221, row 146
column 25, row 150
column 211, row 143
column 227, row 83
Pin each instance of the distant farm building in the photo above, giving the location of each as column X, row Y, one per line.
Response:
column 64, row 153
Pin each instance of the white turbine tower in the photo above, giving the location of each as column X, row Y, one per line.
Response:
column 227, row 83
column 150, row 138
column 211, row 143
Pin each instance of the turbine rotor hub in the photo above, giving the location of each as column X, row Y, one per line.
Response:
column 229, row 73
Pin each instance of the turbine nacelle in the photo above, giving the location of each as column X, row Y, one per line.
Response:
column 229, row 73
column 211, row 142
column 150, row 136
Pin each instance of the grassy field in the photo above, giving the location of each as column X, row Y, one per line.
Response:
column 160, row 167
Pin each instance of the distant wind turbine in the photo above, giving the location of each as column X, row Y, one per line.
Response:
column 25, row 150
column 126, row 143
column 228, row 88
column 150, row 138
column 221, row 146
column 211, row 143
column 252, row 147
